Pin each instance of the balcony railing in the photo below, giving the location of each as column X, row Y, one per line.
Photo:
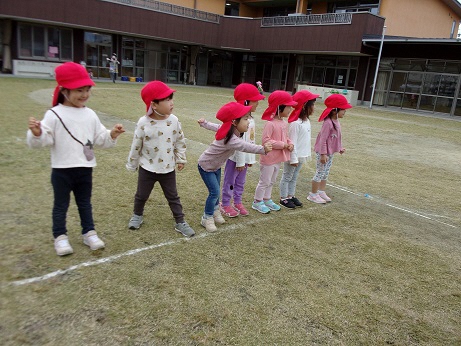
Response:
column 311, row 19
column 170, row 9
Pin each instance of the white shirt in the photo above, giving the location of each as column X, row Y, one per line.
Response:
column 300, row 134
column 241, row 158
column 158, row 145
column 66, row 152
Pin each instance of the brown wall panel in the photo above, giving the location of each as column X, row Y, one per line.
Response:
column 233, row 32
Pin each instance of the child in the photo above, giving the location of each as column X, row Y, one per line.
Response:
column 235, row 118
column 65, row 128
column 275, row 132
column 300, row 134
column 158, row 146
column 236, row 166
column 328, row 142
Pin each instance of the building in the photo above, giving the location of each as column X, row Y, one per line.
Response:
column 286, row 44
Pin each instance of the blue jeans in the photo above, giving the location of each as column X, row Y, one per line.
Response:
column 78, row 180
column 289, row 179
column 212, row 181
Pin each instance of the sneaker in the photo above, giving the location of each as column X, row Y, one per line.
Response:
column 229, row 211
column 92, row 240
column 296, row 201
column 271, row 205
column 241, row 209
column 208, row 223
column 261, row 207
column 315, row 198
column 217, row 216
column 62, row 246
column 184, row 229
column 324, row 196
column 135, row 222
column 287, row 203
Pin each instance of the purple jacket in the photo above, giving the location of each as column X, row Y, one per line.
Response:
column 329, row 139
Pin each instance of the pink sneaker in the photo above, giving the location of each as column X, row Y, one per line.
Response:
column 241, row 209
column 324, row 196
column 228, row 211
column 315, row 198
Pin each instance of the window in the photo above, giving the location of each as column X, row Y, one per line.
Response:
column 47, row 43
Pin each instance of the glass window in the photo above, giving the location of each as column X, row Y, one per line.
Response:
column 66, row 44
column 431, row 84
column 307, row 74
column 25, row 37
column 140, row 58
column 340, row 77
column 330, row 77
column 398, row 81
column 53, row 43
column 317, row 77
column 352, row 78
column 39, row 41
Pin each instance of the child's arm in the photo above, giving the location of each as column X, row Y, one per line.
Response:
column 40, row 133
column 293, row 132
column 208, row 125
column 267, row 135
column 180, row 147
column 136, row 148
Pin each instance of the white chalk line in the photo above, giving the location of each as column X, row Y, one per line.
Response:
column 393, row 206
column 109, row 259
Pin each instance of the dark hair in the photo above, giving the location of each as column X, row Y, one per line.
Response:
column 166, row 98
column 231, row 130
column 307, row 110
column 331, row 113
column 61, row 97
column 280, row 109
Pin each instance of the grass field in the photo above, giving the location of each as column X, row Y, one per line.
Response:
column 380, row 265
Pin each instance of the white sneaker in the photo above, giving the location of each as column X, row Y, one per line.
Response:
column 324, row 196
column 62, row 245
column 315, row 198
column 208, row 223
column 217, row 216
column 92, row 240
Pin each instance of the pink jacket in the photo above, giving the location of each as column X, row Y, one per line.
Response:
column 329, row 139
column 275, row 132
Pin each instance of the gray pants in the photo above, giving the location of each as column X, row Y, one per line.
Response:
column 146, row 182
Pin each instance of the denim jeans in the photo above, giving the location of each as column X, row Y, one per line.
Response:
column 78, row 180
column 289, row 178
column 212, row 181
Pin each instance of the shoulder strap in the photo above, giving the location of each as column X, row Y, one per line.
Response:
column 66, row 127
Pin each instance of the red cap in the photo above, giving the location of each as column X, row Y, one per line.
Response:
column 70, row 76
column 334, row 101
column 301, row 97
column 276, row 99
column 247, row 91
column 230, row 111
column 155, row 90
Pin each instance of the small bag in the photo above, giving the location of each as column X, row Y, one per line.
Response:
column 87, row 148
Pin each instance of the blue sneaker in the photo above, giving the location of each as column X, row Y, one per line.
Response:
column 271, row 205
column 261, row 207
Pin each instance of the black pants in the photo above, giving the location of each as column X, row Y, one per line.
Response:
column 78, row 180
column 146, row 182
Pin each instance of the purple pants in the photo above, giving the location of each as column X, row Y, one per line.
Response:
column 233, row 183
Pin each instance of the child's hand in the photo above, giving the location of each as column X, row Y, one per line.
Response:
column 239, row 169
column 34, row 126
column 290, row 147
column 342, row 151
column 201, row 121
column 267, row 147
column 117, row 131
column 323, row 159
column 180, row 166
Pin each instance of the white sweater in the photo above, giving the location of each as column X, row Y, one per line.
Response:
column 66, row 152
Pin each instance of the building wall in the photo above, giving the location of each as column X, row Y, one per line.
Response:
column 418, row 18
column 213, row 6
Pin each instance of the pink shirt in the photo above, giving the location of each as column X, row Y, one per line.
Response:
column 329, row 140
column 218, row 152
column 276, row 132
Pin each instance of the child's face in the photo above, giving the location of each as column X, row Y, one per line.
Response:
column 77, row 97
column 341, row 113
column 286, row 112
column 164, row 107
column 253, row 104
column 243, row 124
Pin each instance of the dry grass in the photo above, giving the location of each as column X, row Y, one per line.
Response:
column 356, row 271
